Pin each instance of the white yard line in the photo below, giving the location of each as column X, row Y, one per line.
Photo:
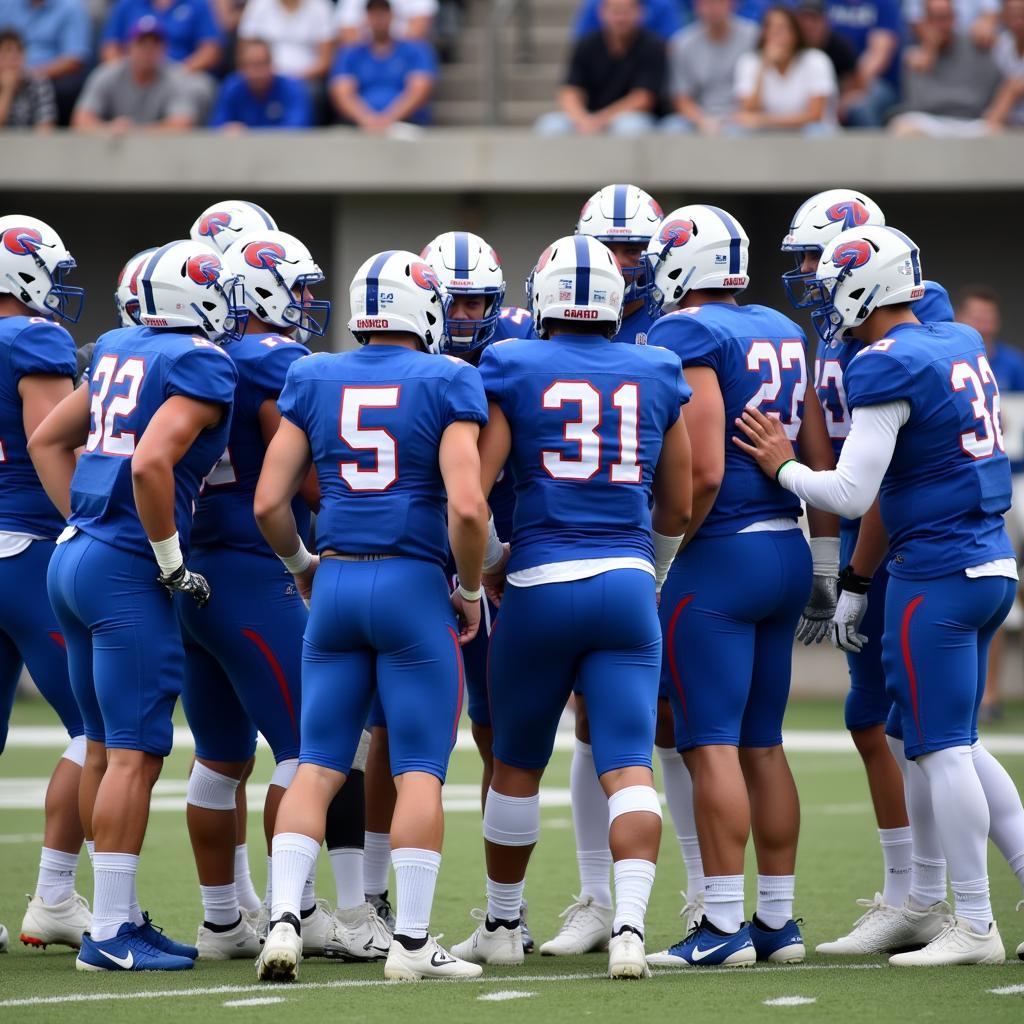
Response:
column 782, row 1001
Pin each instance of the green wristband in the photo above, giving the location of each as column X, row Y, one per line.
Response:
column 781, row 468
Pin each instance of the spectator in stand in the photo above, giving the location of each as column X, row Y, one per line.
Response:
column 785, row 85
column 191, row 32
column 385, row 82
column 874, row 28
column 57, row 37
column 299, row 33
column 141, row 90
column 255, row 97
column 616, row 78
column 820, row 35
column 702, row 62
column 977, row 19
column 662, row 17
column 1007, row 108
column 948, row 91
column 26, row 99
column 411, row 19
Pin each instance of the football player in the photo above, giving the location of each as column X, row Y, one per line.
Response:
column 925, row 429
column 222, row 224
column 39, row 371
column 728, row 649
column 911, row 861
column 391, row 429
column 153, row 420
column 595, row 439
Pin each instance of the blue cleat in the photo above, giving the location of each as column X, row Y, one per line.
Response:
column 783, row 945
column 155, row 937
column 706, row 946
column 128, row 950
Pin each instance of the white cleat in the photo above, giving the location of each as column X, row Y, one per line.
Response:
column 281, row 954
column 59, row 924
column 692, row 912
column 260, row 921
column 502, row 947
column 4, row 938
column 586, row 929
column 626, row 956
column 956, row 944
column 237, row 943
column 429, row 961
column 884, row 929
column 360, row 936
column 318, row 930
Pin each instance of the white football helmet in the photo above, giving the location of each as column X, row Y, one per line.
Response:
column 814, row 225
column 184, row 285
column 623, row 213
column 396, row 291
column 860, row 270
column 466, row 265
column 697, row 247
column 33, row 262
column 126, row 295
column 224, row 223
column 276, row 269
column 577, row 278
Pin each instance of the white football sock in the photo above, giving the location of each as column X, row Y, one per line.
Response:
column 268, row 900
column 678, row 786
column 90, row 848
column 246, row 892
column 633, row 881
column 376, row 861
column 347, row 865
column 897, row 853
column 294, row 859
column 114, row 886
column 135, row 914
column 504, row 900
column 961, row 815
column 1006, row 814
column 415, row 878
column 775, row 899
column 220, row 904
column 56, row 881
column 723, row 901
column 308, row 901
column 590, row 821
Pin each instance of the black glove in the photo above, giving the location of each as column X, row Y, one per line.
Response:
column 186, row 582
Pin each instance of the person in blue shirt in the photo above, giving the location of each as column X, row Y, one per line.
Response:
column 391, row 429
column 977, row 306
column 663, row 17
column 385, row 81
column 925, row 436
column 37, row 371
column 152, row 421
column 194, row 39
column 254, row 97
column 728, row 648
column 601, row 462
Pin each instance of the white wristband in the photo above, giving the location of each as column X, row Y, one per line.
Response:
column 168, row 554
column 469, row 595
column 665, row 549
column 299, row 562
column 495, row 551
column 825, row 556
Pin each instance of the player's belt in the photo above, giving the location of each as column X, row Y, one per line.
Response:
column 345, row 557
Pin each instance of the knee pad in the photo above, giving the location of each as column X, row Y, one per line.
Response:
column 284, row 772
column 210, row 789
column 359, row 760
column 75, row 751
column 511, row 820
column 633, row 798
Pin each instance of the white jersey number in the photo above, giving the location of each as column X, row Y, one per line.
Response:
column 979, row 444
column 105, row 410
column 368, row 439
column 781, row 394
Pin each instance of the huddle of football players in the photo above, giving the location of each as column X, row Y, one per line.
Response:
column 539, row 519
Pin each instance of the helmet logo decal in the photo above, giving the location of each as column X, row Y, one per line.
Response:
column 214, row 223
column 22, row 241
column 675, row 232
column 424, row 276
column 851, row 255
column 203, row 269
column 263, row 255
column 852, row 213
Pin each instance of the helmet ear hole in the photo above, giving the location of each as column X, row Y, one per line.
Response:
column 263, row 293
column 856, row 293
column 211, row 306
column 674, row 274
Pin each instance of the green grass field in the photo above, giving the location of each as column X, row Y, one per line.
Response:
column 839, row 861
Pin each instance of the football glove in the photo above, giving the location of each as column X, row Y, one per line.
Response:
column 850, row 609
column 816, row 622
column 186, row 582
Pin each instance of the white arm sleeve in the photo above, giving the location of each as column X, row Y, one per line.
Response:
column 850, row 488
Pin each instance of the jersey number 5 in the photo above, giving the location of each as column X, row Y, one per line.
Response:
column 980, row 443
column 105, row 409
column 368, row 439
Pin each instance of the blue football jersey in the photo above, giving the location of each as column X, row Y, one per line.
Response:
column 134, row 370
column 514, row 322
column 948, row 485
column 588, row 419
column 224, row 517
column 635, row 327
column 934, row 306
column 759, row 358
column 28, row 345
column 374, row 418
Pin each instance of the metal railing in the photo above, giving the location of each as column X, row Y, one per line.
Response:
column 502, row 12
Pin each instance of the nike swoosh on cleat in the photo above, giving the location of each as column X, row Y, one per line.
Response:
column 701, row 954
column 124, row 962
column 441, row 960
column 369, row 945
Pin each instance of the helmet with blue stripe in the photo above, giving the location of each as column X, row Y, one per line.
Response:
column 577, row 279
column 814, row 225
column 397, row 291
column 184, row 285
column 861, row 269
column 126, row 295
column 224, row 223
column 623, row 215
column 696, row 247
column 33, row 265
column 466, row 265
